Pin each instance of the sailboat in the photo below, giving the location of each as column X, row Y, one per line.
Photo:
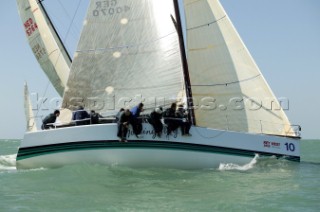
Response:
column 133, row 51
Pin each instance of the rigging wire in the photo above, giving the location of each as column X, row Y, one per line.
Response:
column 64, row 40
column 73, row 18
column 60, row 21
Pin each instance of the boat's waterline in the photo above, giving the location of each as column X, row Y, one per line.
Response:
column 126, row 154
column 64, row 146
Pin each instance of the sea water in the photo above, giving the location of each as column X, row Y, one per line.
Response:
column 265, row 184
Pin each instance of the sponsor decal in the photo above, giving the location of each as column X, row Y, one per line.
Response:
column 267, row 144
column 275, row 145
column 271, row 144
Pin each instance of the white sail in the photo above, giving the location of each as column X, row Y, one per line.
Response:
column 31, row 123
column 45, row 43
column 228, row 88
column 128, row 52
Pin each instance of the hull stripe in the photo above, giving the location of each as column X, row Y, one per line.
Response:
column 29, row 152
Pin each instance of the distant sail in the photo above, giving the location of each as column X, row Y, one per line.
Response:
column 31, row 123
column 128, row 52
column 225, row 79
column 45, row 44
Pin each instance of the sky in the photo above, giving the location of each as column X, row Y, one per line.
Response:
column 283, row 37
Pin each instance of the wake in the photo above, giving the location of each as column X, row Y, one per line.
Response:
column 231, row 166
column 8, row 162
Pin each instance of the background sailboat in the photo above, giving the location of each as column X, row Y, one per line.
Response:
column 30, row 118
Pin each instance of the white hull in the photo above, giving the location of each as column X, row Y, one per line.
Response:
column 206, row 148
column 134, row 158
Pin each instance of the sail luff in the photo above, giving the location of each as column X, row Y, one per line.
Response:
column 45, row 43
column 188, row 88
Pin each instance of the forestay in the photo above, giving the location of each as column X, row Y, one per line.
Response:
column 128, row 52
column 45, row 43
column 228, row 88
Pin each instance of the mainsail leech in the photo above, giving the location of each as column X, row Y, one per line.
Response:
column 216, row 57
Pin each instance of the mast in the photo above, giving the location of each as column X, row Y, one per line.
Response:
column 54, row 29
column 184, row 64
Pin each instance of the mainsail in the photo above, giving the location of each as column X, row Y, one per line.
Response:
column 45, row 43
column 128, row 53
column 229, row 91
column 31, row 124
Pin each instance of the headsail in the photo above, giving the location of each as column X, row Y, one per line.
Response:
column 128, row 52
column 227, row 85
column 31, row 123
column 45, row 43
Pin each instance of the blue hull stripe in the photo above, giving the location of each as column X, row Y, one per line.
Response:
column 30, row 152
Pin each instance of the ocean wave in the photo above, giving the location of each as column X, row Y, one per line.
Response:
column 10, row 140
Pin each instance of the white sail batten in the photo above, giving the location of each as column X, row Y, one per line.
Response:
column 128, row 53
column 31, row 123
column 228, row 89
column 45, row 43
